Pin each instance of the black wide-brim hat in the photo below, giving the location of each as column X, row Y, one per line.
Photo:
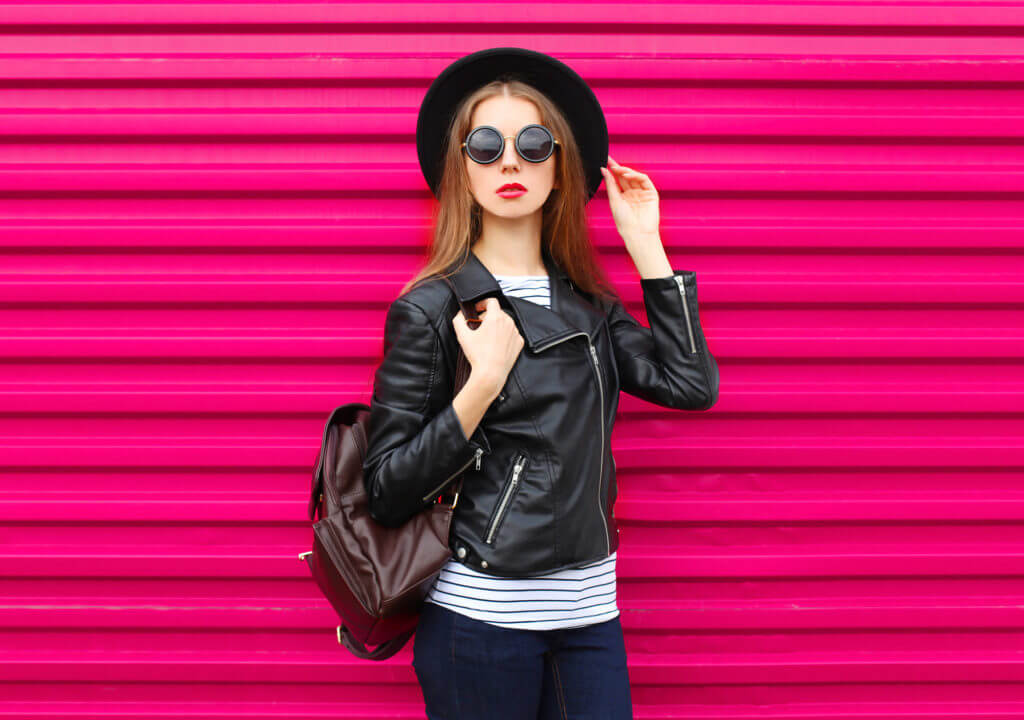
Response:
column 554, row 78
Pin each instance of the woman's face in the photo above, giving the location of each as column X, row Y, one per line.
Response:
column 509, row 115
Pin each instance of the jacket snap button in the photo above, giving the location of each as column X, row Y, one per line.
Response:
column 483, row 563
column 461, row 552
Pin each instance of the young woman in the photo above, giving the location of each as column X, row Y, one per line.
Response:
column 522, row 621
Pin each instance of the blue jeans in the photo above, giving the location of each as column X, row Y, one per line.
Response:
column 472, row 670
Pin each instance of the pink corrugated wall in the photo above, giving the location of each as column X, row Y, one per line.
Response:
column 206, row 209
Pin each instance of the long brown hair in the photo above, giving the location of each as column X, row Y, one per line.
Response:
column 564, row 231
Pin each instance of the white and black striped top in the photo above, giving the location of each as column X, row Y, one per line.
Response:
column 571, row 597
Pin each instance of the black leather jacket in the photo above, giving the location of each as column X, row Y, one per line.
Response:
column 539, row 485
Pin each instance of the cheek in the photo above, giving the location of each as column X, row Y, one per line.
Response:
column 550, row 173
column 475, row 181
column 545, row 176
column 480, row 175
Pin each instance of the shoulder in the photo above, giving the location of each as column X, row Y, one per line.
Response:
column 603, row 304
column 429, row 301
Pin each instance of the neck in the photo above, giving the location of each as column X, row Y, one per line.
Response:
column 510, row 255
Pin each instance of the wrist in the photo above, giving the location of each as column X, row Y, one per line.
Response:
column 650, row 259
column 644, row 245
column 484, row 384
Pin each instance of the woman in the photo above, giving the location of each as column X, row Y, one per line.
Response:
column 522, row 621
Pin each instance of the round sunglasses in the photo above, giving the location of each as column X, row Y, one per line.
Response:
column 533, row 142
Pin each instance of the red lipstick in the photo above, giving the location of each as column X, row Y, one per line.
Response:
column 511, row 190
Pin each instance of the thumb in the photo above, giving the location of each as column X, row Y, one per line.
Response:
column 610, row 184
column 459, row 321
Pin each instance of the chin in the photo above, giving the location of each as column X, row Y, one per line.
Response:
column 518, row 213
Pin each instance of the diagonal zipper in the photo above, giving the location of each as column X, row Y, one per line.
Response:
column 476, row 456
column 510, row 489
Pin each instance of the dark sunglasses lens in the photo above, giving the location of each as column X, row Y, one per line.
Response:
column 536, row 143
column 484, row 145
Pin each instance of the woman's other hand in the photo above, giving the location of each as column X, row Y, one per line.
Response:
column 493, row 347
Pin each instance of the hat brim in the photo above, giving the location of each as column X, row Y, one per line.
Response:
column 558, row 81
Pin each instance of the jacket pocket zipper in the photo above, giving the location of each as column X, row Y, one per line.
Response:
column 476, row 456
column 686, row 311
column 510, row 488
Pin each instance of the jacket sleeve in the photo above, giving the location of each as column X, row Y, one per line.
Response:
column 416, row 443
column 668, row 364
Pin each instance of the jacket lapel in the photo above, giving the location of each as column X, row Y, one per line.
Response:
column 570, row 313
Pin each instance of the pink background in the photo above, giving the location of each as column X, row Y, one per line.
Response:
column 208, row 207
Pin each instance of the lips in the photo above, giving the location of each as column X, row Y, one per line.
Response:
column 510, row 186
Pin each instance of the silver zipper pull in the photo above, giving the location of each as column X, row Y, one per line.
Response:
column 479, row 454
column 593, row 352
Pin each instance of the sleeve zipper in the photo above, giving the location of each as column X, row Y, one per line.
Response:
column 686, row 311
column 476, row 456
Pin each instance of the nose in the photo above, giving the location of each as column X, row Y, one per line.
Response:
column 510, row 158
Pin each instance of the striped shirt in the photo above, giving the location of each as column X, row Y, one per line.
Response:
column 571, row 597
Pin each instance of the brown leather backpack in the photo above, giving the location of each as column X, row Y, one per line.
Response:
column 375, row 577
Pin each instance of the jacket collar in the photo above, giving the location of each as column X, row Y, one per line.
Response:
column 570, row 311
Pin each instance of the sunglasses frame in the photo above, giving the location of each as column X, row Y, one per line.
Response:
column 519, row 134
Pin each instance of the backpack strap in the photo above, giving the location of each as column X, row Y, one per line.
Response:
column 462, row 367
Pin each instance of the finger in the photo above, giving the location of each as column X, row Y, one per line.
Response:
column 617, row 166
column 465, row 325
column 481, row 307
column 637, row 180
column 610, row 183
column 471, row 323
column 633, row 178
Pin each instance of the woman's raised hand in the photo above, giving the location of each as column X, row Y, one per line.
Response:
column 493, row 347
column 635, row 205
